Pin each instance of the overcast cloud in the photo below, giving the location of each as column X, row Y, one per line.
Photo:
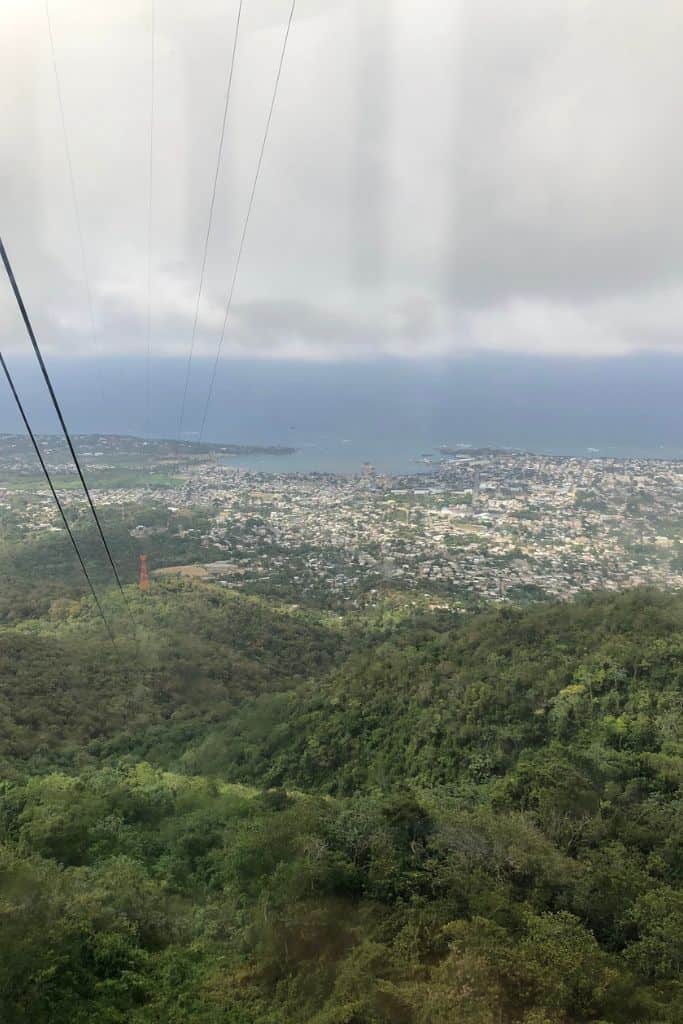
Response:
column 442, row 177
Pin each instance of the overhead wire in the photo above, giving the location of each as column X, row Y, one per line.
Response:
column 94, row 334
column 55, row 496
column 55, row 402
column 148, row 368
column 245, row 227
column 219, row 159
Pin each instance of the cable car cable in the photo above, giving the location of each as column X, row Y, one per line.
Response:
column 55, row 496
column 74, row 196
column 148, row 368
column 60, row 416
column 210, row 221
column 247, row 218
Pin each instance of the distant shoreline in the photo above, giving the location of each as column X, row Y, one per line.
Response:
column 195, row 447
column 326, row 455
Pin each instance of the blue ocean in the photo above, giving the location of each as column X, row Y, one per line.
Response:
column 393, row 414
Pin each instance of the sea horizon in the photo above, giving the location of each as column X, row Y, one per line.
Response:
column 387, row 412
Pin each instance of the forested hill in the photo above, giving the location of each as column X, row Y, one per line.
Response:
column 261, row 815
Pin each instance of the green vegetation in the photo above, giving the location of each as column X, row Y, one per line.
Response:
column 38, row 567
column 106, row 478
column 258, row 814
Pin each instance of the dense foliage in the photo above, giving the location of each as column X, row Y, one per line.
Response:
column 38, row 566
column 261, row 815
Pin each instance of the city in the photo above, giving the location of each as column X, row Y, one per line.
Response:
column 476, row 524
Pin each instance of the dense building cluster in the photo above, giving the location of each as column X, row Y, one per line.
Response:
column 477, row 524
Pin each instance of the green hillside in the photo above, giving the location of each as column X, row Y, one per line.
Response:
column 254, row 814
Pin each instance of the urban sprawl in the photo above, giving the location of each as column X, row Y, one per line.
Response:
column 471, row 524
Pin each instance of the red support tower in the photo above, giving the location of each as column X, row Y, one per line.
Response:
column 144, row 573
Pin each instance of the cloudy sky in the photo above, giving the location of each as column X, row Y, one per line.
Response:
column 442, row 177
